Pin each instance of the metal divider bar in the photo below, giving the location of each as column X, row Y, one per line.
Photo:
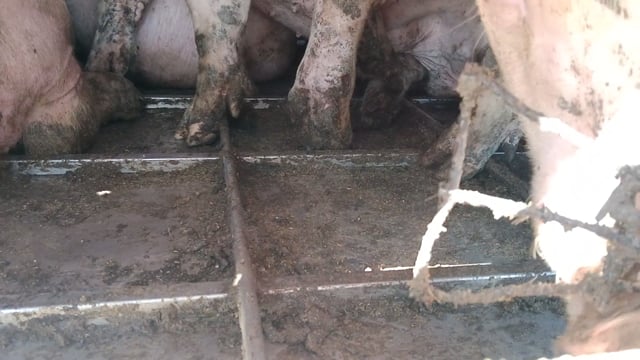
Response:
column 182, row 101
column 149, row 297
column 245, row 280
column 162, row 162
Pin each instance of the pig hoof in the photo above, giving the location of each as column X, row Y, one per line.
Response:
column 199, row 127
column 113, row 95
column 323, row 120
column 219, row 98
column 380, row 103
column 180, row 134
column 202, row 133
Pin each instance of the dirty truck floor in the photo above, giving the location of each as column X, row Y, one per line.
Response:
column 149, row 270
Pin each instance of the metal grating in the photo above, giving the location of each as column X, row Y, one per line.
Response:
column 245, row 286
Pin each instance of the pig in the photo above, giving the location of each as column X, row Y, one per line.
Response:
column 160, row 48
column 395, row 43
column 46, row 100
column 164, row 47
column 577, row 61
column 398, row 45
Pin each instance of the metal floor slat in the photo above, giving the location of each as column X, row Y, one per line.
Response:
column 248, row 287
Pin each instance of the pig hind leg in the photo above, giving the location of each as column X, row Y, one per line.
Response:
column 69, row 124
column 320, row 97
column 390, row 74
column 222, row 81
column 384, row 94
column 114, row 45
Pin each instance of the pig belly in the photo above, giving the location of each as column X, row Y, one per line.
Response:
column 442, row 35
column 166, row 51
column 167, row 55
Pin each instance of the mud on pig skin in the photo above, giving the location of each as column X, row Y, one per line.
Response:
column 395, row 43
column 165, row 43
column 578, row 61
column 164, row 50
column 46, row 101
column 399, row 43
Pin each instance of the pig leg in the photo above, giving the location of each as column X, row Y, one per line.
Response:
column 222, row 79
column 320, row 97
column 45, row 98
column 390, row 74
column 491, row 124
column 69, row 124
column 384, row 94
column 114, row 45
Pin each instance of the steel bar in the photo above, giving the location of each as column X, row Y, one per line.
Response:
column 150, row 297
column 468, row 276
column 126, row 164
column 86, row 299
column 182, row 101
column 142, row 163
column 348, row 159
column 17, row 315
column 145, row 162
column 245, row 280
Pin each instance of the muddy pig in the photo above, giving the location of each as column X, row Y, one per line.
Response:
column 394, row 47
column 46, row 101
column 393, row 43
column 162, row 51
column 576, row 61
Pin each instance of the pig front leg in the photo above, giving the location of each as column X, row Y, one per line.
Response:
column 222, row 81
column 114, row 45
column 320, row 97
